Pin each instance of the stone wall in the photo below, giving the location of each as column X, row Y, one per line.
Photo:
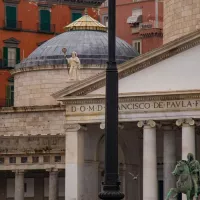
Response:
column 32, row 123
column 35, row 87
column 180, row 18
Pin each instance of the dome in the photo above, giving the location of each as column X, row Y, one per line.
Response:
column 88, row 38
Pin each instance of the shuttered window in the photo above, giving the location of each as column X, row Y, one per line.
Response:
column 5, row 56
column 45, row 20
column 11, row 56
column 11, row 17
column 76, row 15
column 9, row 95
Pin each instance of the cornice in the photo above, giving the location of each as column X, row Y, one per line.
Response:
column 134, row 65
column 37, row 68
column 53, row 67
column 140, row 97
column 32, row 109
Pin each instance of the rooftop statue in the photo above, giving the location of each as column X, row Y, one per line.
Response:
column 74, row 65
column 188, row 174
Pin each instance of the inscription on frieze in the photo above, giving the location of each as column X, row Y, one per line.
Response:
column 146, row 106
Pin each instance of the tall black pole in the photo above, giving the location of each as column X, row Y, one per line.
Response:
column 111, row 185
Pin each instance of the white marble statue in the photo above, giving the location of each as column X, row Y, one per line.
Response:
column 74, row 67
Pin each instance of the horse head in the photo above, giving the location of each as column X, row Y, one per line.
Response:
column 181, row 167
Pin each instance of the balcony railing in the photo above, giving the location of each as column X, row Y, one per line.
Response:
column 151, row 24
column 12, row 25
column 46, row 28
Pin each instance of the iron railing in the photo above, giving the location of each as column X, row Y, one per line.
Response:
column 46, row 28
column 12, row 24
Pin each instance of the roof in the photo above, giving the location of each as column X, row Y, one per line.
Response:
column 134, row 65
column 86, row 23
column 91, row 48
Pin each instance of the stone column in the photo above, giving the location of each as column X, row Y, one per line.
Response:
column 74, row 162
column 169, row 155
column 19, row 185
column 150, row 185
column 53, row 184
column 188, row 136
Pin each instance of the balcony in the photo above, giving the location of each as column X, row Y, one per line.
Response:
column 12, row 25
column 148, row 29
column 46, row 28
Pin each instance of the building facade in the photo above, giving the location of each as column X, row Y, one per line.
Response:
column 33, row 165
column 54, row 134
column 25, row 25
column 139, row 23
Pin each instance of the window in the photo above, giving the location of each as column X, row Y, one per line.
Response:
column 11, row 17
column 45, row 20
column 138, row 46
column 76, row 15
column 46, row 159
column 1, row 160
column 11, row 56
column 57, row 158
column 105, row 4
column 35, row 159
column 24, row 159
column 12, row 159
column 10, row 95
column 105, row 20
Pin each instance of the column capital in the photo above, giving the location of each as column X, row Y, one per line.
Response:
column 74, row 127
column 102, row 126
column 149, row 123
column 185, row 122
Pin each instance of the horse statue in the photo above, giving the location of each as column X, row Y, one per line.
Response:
column 185, row 183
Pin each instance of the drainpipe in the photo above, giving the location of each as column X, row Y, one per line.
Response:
column 156, row 13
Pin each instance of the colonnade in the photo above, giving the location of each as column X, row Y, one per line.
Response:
column 19, row 184
column 169, row 155
column 74, row 161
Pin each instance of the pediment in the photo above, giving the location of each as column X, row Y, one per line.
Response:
column 173, row 67
column 12, row 40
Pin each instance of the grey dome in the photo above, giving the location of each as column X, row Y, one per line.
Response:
column 91, row 48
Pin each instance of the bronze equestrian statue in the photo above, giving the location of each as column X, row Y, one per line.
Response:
column 188, row 174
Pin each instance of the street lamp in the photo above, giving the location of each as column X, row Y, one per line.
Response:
column 111, row 185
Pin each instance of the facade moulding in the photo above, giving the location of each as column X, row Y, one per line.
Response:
column 53, row 67
column 32, row 109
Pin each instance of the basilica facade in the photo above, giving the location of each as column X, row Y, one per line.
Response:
column 52, row 140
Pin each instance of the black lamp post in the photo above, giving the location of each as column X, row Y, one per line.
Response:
column 111, row 185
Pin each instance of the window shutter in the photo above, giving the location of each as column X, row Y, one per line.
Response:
column 5, row 56
column 45, row 20
column 11, row 16
column 76, row 16
column 8, row 95
column 17, row 55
